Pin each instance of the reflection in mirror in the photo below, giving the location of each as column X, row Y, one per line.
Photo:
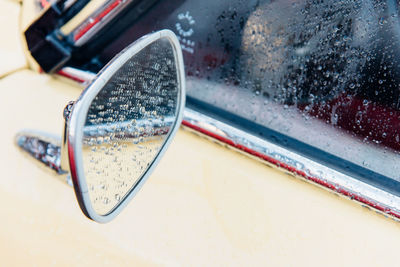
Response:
column 127, row 124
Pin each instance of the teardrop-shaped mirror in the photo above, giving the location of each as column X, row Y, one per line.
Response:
column 123, row 122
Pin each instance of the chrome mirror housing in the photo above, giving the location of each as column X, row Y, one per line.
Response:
column 118, row 129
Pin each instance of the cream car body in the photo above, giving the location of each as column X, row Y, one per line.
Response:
column 205, row 204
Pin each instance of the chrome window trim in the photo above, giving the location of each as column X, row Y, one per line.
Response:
column 80, row 35
column 288, row 161
column 294, row 163
column 77, row 75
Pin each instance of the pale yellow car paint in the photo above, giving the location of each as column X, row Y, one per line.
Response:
column 204, row 205
column 11, row 50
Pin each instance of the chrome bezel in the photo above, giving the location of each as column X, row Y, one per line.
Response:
column 78, row 117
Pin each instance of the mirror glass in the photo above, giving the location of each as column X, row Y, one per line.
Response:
column 128, row 123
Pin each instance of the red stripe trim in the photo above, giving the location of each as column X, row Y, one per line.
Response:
column 291, row 169
column 96, row 20
column 70, row 76
column 44, row 3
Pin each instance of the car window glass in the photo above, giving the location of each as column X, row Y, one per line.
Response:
column 320, row 77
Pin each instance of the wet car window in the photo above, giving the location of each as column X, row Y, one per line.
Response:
column 319, row 77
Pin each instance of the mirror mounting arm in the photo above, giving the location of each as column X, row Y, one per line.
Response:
column 64, row 163
column 43, row 147
column 47, row 149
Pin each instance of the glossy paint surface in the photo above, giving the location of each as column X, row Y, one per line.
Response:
column 203, row 205
column 11, row 49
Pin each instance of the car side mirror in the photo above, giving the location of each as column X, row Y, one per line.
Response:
column 120, row 126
